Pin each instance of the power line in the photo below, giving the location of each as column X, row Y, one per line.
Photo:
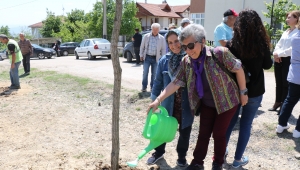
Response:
column 17, row 5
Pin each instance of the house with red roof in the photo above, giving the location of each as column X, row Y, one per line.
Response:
column 164, row 14
column 35, row 29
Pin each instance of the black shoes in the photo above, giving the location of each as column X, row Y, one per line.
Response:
column 216, row 166
column 275, row 106
column 195, row 167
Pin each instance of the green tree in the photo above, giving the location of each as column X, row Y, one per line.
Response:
column 281, row 7
column 128, row 23
column 4, row 30
column 51, row 24
column 74, row 28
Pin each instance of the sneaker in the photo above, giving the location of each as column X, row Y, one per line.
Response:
column 153, row 159
column 181, row 162
column 143, row 90
column 28, row 73
column 216, row 166
column 280, row 128
column 243, row 162
column 296, row 134
column 15, row 87
column 195, row 167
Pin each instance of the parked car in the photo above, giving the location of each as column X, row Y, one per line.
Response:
column 93, row 47
column 3, row 54
column 128, row 50
column 41, row 52
column 67, row 48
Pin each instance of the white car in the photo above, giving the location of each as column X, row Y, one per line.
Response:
column 3, row 55
column 93, row 47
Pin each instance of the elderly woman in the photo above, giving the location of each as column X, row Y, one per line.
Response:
column 207, row 82
column 255, row 57
column 177, row 104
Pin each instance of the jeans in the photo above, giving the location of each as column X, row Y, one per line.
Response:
column 212, row 123
column 14, row 75
column 182, row 145
column 248, row 114
column 289, row 104
column 281, row 71
column 137, row 54
column 149, row 61
column 26, row 62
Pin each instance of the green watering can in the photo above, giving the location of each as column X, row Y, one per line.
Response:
column 159, row 128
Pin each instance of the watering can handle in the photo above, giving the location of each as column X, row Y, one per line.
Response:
column 162, row 111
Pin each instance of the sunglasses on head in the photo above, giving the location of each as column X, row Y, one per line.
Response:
column 190, row 46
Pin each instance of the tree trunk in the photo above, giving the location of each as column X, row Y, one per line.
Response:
column 117, row 86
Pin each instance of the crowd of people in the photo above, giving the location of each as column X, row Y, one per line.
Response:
column 190, row 78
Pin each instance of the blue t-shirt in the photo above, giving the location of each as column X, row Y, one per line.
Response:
column 222, row 32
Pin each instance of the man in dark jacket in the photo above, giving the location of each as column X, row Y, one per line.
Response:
column 137, row 40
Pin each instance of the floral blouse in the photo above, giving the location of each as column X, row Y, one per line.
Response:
column 224, row 90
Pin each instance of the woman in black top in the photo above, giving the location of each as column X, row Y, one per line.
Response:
column 251, row 44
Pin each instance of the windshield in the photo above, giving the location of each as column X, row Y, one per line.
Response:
column 36, row 46
column 99, row 41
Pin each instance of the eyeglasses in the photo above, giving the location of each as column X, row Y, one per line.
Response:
column 190, row 46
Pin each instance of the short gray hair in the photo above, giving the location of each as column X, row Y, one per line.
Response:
column 155, row 25
column 195, row 30
column 225, row 19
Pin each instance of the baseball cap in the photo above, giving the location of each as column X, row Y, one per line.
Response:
column 230, row 12
column 185, row 20
column 3, row 36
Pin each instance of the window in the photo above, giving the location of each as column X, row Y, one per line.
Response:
column 198, row 18
column 156, row 20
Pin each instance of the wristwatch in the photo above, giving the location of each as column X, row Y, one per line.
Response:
column 244, row 92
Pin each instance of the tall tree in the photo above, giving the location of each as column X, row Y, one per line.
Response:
column 4, row 30
column 280, row 8
column 117, row 86
column 74, row 27
column 129, row 21
column 51, row 24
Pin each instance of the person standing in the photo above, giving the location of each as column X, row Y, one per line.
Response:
column 184, row 22
column 137, row 40
column 15, row 58
column 171, row 27
column 56, row 48
column 177, row 104
column 26, row 49
column 152, row 48
column 223, row 32
column 210, row 89
column 282, row 57
column 293, row 95
column 252, row 47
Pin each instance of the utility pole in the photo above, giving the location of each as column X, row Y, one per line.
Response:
column 271, row 24
column 104, row 20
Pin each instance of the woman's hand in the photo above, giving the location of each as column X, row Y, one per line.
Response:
column 154, row 105
column 277, row 59
column 244, row 99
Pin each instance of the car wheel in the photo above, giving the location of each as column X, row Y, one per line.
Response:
column 109, row 56
column 65, row 53
column 77, row 57
column 90, row 57
column 40, row 55
column 129, row 56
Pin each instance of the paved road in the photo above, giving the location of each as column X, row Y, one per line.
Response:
column 102, row 69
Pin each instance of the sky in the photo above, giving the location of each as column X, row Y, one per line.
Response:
column 19, row 14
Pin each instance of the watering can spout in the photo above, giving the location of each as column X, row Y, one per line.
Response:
column 152, row 145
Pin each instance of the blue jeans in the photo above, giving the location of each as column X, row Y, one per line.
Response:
column 149, row 61
column 248, row 114
column 289, row 104
column 14, row 75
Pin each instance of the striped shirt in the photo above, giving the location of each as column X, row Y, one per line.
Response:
column 224, row 90
column 152, row 46
column 25, row 46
